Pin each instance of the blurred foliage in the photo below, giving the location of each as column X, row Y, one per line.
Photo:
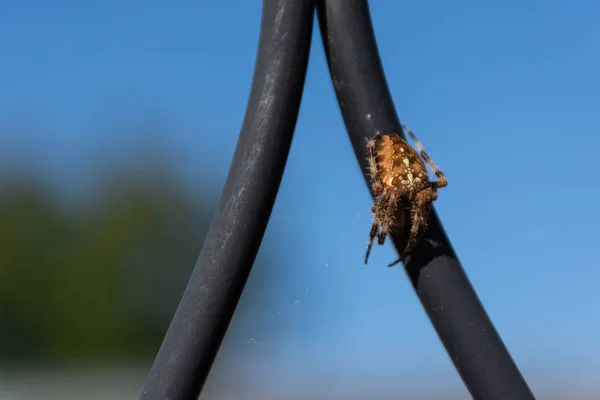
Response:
column 100, row 278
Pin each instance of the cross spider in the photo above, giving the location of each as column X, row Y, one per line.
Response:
column 399, row 177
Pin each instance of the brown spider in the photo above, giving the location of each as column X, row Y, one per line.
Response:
column 399, row 177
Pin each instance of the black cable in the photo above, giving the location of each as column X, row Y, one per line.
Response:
column 444, row 290
column 234, row 237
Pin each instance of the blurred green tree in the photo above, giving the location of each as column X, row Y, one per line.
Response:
column 97, row 281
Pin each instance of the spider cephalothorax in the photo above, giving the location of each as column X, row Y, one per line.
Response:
column 399, row 179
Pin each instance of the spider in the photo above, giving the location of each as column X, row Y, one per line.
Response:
column 399, row 177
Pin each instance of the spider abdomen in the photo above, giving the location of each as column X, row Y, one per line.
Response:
column 398, row 164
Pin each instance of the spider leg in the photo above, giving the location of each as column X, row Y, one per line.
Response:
column 382, row 209
column 376, row 184
column 372, row 235
column 375, row 228
column 388, row 218
column 380, row 200
column 442, row 180
column 419, row 215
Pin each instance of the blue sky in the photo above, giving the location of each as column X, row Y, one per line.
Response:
column 504, row 97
